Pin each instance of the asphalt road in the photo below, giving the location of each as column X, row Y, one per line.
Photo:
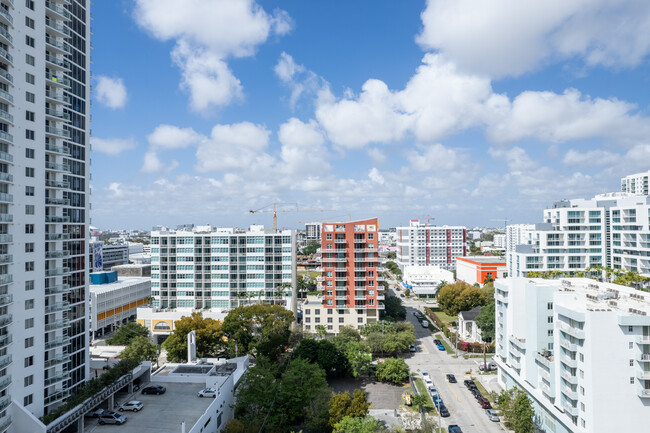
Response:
column 463, row 408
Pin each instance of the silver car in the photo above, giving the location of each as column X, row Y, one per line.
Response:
column 492, row 414
column 112, row 418
column 133, row 405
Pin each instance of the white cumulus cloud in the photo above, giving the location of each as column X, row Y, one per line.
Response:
column 112, row 146
column 111, row 92
column 206, row 33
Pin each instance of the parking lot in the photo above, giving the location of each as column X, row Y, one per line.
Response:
column 160, row 413
column 381, row 395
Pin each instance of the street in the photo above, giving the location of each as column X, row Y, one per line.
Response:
column 463, row 408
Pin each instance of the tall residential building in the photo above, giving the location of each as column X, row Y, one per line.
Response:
column 636, row 184
column 313, row 230
column 222, row 268
column 610, row 230
column 44, row 204
column 422, row 244
column 499, row 240
column 580, row 349
column 351, row 295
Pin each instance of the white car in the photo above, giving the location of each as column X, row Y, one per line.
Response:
column 428, row 382
column 133, row 405
column 492, row 415
column 208, row 392
column 425, row 373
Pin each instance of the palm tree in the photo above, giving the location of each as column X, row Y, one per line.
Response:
column 283, row 289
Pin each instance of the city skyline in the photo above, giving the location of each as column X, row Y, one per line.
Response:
column 322, row 106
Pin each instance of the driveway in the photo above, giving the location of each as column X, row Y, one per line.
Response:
column 464, row 409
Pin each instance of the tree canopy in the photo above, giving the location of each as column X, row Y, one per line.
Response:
column 359, row 425
column 459, row 296
column 325, row 354
column 485, row 322
column 258, row 329
column 126, row 333
column 393, row 309
column 140, row 349
column 393, row 370
column 209, row 338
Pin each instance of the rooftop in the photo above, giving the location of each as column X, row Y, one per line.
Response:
column 484, row 259
column 120, row 283
column 164, row 413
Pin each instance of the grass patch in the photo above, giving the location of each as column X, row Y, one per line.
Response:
column 422, row 389
column 444, row 317
column 448, row 348
column 472, row 356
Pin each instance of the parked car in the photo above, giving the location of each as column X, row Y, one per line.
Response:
column 492, row 415
column 451, row 378
column 436, row 341
column 133, row 405
column 485, row 403
column 424, row 324
column 454, row 429
column 437, row 400
column 412, row 348
column 441, row 347
column 401, row 295
column 432, row 390
column 109, row 417
column 468, row 382
column 490, row 366
column 208, row 392
column 476, row 393
column 444, row 412
column 155, row 389
column 428, row 382
column 416, row 313
column 95, row 413
column 425, row 373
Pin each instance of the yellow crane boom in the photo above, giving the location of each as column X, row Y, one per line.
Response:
column 275, row 211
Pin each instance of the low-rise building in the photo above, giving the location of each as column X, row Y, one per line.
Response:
column 114, row 300
column 424, row 280
column 133, row 270
column 467, row 327
column 161, row 321
column 499, row 240
column 579, row 348
column 478, row 269
column 314, row 313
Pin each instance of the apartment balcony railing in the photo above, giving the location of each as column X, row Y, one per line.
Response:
column 57, row 114
column 5, row 381
column 57, row 80
column 568, row 345
column 57, row 27
column 575, row 332
column 59, row 288
column 58, row 45
column 6, row 177
column 58, row 306
column 571, row 378
column 5, row 320
column 58, row 10
column 5, row 34
column 642, row 339
column 56, row 254
column 57, row 62
column 6, row 259
column 6, row 198
column 57, row 325
column 53, row 201
column 57, row 184
column 6, row 96
column 57, row 167
column 50, row 130
column 57, row 342
column 56, row 361
column 6, row 279
column 643, row 392
column 5, row 54
column 6, row 300
column 57, row 378
column 57, row 236
column 56, row 272
column 4, row 361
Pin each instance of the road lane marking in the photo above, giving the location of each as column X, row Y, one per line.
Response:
column 425, row 347
column 453, row 392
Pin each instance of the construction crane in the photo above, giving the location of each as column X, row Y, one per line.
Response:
column 276, row 211
column 428, row 218
column 505, row 222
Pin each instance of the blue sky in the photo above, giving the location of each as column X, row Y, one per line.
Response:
column 464, row 110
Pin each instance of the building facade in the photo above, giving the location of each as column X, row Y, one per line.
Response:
column 611, row 230
column 499, row 240
column 111, row 255
column 44, row 204
column 636, row 184
column 161, row 322
column 423, row 281
column 422, row 244
column 579, row 348
column 478, row 269
column 313, row 231
column 222, row 268
column 114, row 301
column 350, row 280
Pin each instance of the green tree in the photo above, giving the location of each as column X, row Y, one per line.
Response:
column 140, row 349
column 393, row 370
column 209, row 338
column 522, row 414
column 347, row 334
column 325, row 354
column 301, row 383
column 257, row 392
column 485, row 322
column 359, row 425
column 380, row 326
column 317, row 414
column 393, row 309
column 234, row 426
column 420, row 400
column 392, row 255
column 359, row 358
column 359, row 405
column 259, row 329
column 339, row 405
column 311, row 248
column 321, row 330
column 126, row 333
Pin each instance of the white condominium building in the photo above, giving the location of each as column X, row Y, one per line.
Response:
column 222, row 268
column 499, row 240
column 422, row 244
column 44, row 204
column 313, row 230
column 579, row 348
column 611, row 230
column 517, row 234
column 636, row 183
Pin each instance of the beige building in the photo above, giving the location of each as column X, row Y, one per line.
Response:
column 314, row 314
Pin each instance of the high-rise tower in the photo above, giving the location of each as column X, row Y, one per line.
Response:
column 44, row 202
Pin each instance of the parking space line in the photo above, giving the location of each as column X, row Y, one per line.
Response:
column 425, row 347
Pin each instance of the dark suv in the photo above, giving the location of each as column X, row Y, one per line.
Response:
column 451, row 378
column 155, row 389
column 484, row 402
column 469, row 383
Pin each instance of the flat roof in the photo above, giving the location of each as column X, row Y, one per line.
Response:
column 484, row 259
column 164, row 413
column 120, row 283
